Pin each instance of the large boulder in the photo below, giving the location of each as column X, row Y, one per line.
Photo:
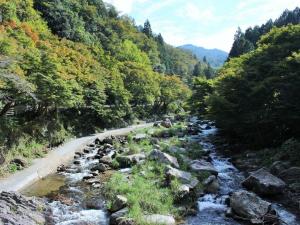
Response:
column 130, row 160
column 203, row 166
column 263, row 182
column 291, row 175
column 167, row 123
column 119, row 218
column 278, row 166
column 118, row 203
column 249, row 206
column 185, row 178
column 162, row 157
column 159, row 219
column 211, row 185
column 17, row 209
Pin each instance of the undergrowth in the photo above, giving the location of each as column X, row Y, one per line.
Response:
column 144, row 190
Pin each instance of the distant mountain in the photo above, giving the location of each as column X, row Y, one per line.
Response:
column 215, row 57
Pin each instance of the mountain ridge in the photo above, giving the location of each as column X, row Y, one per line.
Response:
column 216, row 57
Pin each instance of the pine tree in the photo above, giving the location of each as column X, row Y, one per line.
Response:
column 209, row 72
column 240, row 45
column 197, row 69
column 147, row 29
column 160, row 39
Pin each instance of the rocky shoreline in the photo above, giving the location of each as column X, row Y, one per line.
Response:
column 190, row 167
column 281, row 171
column 16, row 209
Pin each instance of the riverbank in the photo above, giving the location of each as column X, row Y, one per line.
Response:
column 155, row 176
column 64, row 154
column 276, row 161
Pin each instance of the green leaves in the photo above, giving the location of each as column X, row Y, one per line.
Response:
column 256, row 96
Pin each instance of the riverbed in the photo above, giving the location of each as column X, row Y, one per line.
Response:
column 72, row 201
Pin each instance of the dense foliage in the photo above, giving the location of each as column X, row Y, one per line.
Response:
column 246, row 41
column 77, row 65
column 255, row 98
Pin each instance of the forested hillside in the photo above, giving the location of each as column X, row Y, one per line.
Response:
column 255, row 97
column 247, row 41
column 74, row 66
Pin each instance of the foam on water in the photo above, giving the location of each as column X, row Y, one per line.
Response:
column 69, row 215
column 212, row 208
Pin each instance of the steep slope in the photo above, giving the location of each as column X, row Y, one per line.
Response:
column 71, row 67
column 215, row 57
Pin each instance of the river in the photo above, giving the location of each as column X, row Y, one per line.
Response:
column 86, row 206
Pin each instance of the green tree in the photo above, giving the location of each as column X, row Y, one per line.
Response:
column 147, row 29
column 197, row 69
column 201, row 89
column 240, row 45
column 256, row 95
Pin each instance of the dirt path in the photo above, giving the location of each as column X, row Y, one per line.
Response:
column 61, row 155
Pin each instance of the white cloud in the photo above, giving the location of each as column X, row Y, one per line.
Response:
column 222, row 39
column 180, row 25
column 194, row 12
column 176, row 35
column 261, row 11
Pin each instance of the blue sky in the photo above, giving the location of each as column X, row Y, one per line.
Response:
column 207, row 23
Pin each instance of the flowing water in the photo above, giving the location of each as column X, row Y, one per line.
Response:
column 212, row 207
column 84, row 204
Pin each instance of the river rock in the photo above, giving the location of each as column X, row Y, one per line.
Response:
column 159, row 219
column 175, row 150
column 93, row 181
column 278, row 166
column 140, row 137
column 19, row 162
column 101, row 167
column 16, row 209
column 95, row 203
column 61, row 168
column 80, row 154
column 211, row 185
column 184, row 177
column 118, row 218
column 166, row 123
column 203, row 166
column 162, row 157
column 263, row 182
column 249, row 206
column 63, row 199
column 88, row 150
column 108, row 158
column 291, row 175
column 77, row 162
column 119, row 203
column 130, row 160
column 108, row 140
